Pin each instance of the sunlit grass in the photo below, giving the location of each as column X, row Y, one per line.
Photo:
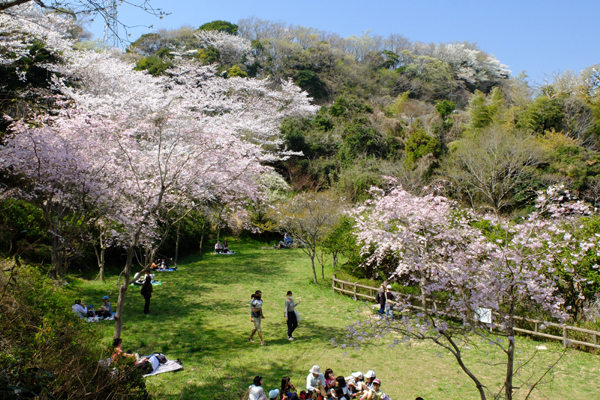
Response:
column 201, row 315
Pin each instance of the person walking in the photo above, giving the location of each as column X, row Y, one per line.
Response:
column 257, row 316
column 147, row 292
column 381, row 299
column 290, row 315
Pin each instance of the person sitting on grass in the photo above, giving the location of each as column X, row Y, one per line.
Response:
column 345, row 391
column 117, row 352
column 330, row 381
column 375, row 393
column 218, row 247
column 287, row 389
column 369, row 377
column 315, row 383
column 91, row 312
column 105, row 311
column 288, row 239
column 80, row 309
column 256, row 390
column 356, row 383
column 153, row 266
column 225, row 247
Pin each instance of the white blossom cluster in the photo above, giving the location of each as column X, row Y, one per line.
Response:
column 469, row 64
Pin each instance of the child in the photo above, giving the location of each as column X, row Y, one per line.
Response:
column 91, row 312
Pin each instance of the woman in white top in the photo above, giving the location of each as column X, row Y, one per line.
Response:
column 256, row 390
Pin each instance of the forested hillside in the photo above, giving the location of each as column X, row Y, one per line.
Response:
column 420, row 112
column 428, row 165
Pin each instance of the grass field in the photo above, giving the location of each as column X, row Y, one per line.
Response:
column 201, row 315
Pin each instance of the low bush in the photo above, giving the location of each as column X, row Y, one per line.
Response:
column 46, row 352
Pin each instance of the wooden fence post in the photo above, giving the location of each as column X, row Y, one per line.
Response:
column 355, row 290
column 333, row 283
column 564, row 336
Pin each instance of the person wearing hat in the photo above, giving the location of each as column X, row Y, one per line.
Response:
column 369, row 376
column 91, row 312
column 375, row 393
column 105, row 310
column 356, row 383
column 256, row 390
column 389, row 307
column 315, row 383
column 273, row 394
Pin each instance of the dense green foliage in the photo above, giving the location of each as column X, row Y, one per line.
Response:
column 47, row 352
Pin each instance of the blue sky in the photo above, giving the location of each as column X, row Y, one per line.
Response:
column 540, row 37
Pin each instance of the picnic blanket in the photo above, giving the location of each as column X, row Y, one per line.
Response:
column 154, row 283
column 165, row 270
column 96, row 319
column 224, row 254
column 169, row 366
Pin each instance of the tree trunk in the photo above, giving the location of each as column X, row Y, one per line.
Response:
column 177, row 241
column 201, row 240
column 312, row 261
column 101, row 265
column 122, row 292
column 423, row 294
column 100, row 258
column 334, row 259
column 458, row 356
column 510, row 333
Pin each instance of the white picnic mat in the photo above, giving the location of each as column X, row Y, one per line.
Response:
column 169, row 366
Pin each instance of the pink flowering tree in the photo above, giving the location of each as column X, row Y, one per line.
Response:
column 472, row 286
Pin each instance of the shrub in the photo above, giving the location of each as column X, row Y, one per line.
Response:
column 46, row 352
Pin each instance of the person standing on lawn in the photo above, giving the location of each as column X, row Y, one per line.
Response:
column 257, row 316
column 381, row 299
column 290, row 315
column 147, row 292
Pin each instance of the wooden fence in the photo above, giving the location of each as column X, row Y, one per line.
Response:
column 351, row 288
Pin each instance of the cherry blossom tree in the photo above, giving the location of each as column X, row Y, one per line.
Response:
column 125, row 147
column 231, row 47
column 308, row 218
column 464, row 274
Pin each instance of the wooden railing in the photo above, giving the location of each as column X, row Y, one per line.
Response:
column 351, row 288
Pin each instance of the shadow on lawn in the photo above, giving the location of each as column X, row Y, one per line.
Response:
column 232, row 382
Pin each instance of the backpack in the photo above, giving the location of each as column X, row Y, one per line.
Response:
column 377, row 299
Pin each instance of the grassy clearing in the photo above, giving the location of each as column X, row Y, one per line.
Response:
column 201, row 315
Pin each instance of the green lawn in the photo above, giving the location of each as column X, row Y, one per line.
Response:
column 201, row 315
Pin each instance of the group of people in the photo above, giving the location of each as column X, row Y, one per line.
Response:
column 323, row 386
column 161, row 264
column 222, row 248
column 83, row 311
column 384, row 298
column 256, row 315
column 286, row 243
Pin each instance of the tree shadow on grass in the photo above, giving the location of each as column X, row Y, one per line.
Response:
column 228, row 363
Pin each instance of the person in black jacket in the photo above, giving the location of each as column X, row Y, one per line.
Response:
column 381, row 299
column 147, row 292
